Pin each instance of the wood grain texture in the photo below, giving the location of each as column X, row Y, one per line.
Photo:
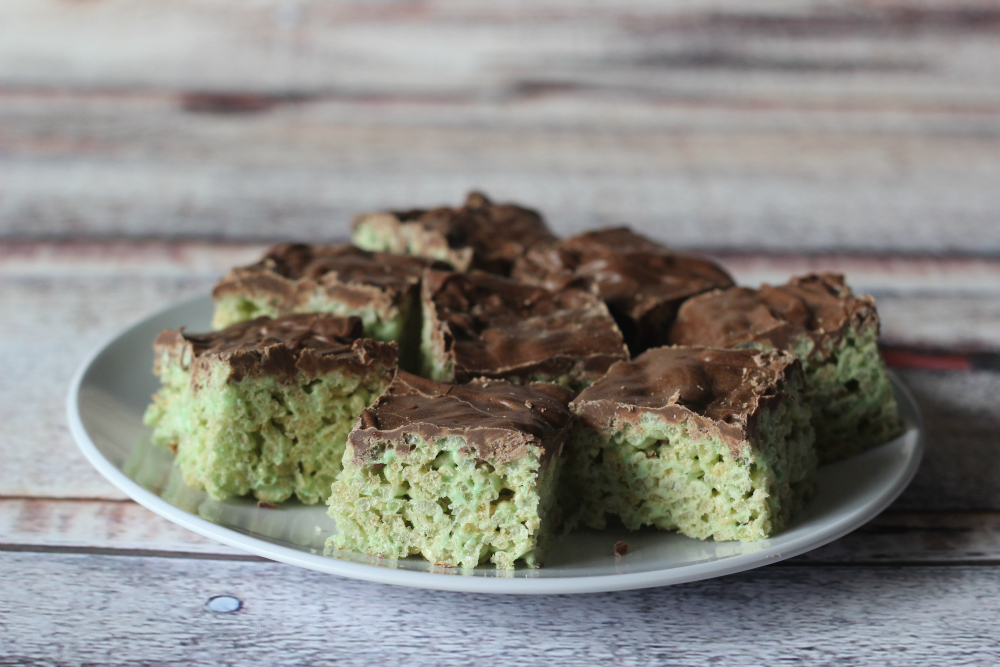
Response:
column 791, row 126
column 899, row 275
column 896, row 537
column 69, row 609
column 104, row 525
column 76, row 167
column 961, row 463
column 910, row 50
column 49, row 328
column 123, row 527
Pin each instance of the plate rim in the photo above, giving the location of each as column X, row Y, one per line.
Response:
column 455, row 581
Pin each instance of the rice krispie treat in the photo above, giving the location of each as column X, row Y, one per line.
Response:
column 713, row 443
column 833, row 333
column 642, row 282
column 481, row 325
column 265, row 406
column 479, row 235
column 381, row 289
column 462, row 474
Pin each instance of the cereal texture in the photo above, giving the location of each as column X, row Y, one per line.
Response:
column 460, row 474
column 712, row 443
column 439, row 501
column 676, row 476
column 259, row 436
column 270, row 428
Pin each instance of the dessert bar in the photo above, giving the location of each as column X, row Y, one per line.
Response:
column 642, row 282
column 463, row 474
column 712, row 443
column 381, row 289
column 482, row 325
column 833, row 333
column 265, row 406
column 479, row 235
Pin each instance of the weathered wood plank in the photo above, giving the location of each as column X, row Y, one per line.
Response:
column 49, row 327
column 958, row 322
column 119, row 610
column 898, row 275
column 921, row 537
column 795, row 125
column 115, row 527
column 193, row 261
column 794, row 49
column 107, row 525
column 962, row 461
column 701, row 177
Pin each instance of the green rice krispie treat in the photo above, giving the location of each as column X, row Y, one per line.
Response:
column 833, row 333
column 462, row 474
column 713, row 443
column 482, row 325
column 642, row 282
column 265, row 406
column 381, row 289
column 479, row 235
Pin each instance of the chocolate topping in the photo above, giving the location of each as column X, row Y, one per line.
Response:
column 310, row 344
column 642, row 282
column 720, row 390
column 496, row 234
column 820, row 307
column 291, row 274
column 498, row 327
column 499, row 420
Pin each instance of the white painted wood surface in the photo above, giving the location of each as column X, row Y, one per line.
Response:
column 110, row 610
column 127, row 166
column 873, row 54
column 44, row 525
column 793, row 125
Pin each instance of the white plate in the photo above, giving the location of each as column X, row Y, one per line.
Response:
column 111, row 390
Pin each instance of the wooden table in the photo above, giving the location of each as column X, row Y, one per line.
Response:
column 146, row 146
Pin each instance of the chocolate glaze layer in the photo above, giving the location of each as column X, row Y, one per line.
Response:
column 819, row 307
column 291, row 274
column 498, row 420
column 309, row 344
column 498, row 327
column 718, row 391
column 496, row 233
column 642, row 282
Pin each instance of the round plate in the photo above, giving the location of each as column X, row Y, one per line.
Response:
column 112, row 388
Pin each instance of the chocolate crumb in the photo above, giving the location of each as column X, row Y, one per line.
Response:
column 267, row 505
column 378, row 466
column 651, row 453
column 621, row 548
